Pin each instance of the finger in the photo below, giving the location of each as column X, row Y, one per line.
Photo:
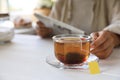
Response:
column 40, row 24
column 42, row 28
column 102, row 47
column 105, row 53
column 94, row 35
column 100, row 40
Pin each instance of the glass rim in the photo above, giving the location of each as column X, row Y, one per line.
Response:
column 80, row 36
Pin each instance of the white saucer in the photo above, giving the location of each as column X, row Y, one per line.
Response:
column 55, row 63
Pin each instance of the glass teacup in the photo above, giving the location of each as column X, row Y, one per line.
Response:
column 71, row 51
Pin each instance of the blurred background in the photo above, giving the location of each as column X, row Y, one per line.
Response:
column 20, row 12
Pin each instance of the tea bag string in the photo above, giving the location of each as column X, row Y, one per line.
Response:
column 81, row 43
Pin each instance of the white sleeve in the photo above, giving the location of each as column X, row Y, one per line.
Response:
column 115, row 23
column 114, row 27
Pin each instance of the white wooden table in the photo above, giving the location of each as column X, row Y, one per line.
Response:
column 24, row 59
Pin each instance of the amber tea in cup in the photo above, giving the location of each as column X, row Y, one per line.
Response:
column 72, row 48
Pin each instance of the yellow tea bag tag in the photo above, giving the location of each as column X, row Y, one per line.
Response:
column 94, row 67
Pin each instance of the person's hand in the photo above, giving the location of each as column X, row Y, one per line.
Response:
column 103, row 43
column 42, row 30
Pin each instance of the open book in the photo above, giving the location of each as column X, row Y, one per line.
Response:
column 58, row 26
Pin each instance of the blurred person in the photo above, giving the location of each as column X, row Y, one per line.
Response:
column 99, row 18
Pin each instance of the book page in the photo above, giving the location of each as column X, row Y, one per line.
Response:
column 58, row 26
